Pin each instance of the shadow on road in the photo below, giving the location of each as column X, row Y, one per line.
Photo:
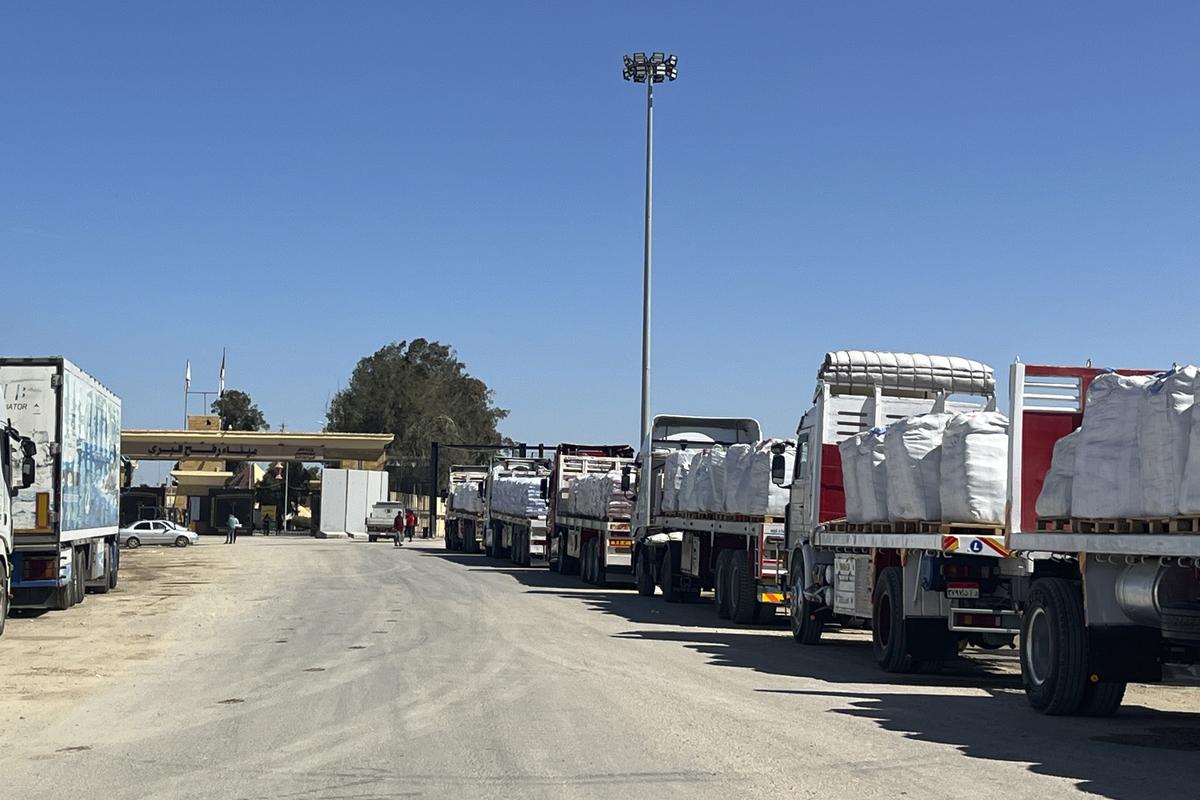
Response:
column 1141, row 754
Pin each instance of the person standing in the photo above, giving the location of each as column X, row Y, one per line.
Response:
column 398, row 528
column 266, row 524
column 410, row 524
column 232, row 522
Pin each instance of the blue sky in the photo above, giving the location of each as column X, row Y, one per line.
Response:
column 302, row 183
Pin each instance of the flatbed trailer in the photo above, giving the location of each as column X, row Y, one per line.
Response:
column 926, row 588
column 464, row 530
column 522, row 537
column 1110, row 600
column 590, row 547
column 741, row 559
column 601, row 547
column 506, row 535
column 464, row 527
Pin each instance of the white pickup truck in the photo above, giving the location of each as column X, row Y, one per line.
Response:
column 381, row 518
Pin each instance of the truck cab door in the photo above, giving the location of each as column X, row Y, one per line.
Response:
column 799, row 511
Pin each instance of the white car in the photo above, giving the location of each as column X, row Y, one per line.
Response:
column 156, row 531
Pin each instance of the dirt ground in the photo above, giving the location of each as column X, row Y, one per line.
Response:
column 166, row 594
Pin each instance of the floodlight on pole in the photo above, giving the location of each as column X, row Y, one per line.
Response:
column 659, row 67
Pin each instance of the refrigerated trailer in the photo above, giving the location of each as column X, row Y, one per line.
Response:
column 592, row 546
column 65, row 523
column 1109, row 601
column 924, row 586
column 739, row 557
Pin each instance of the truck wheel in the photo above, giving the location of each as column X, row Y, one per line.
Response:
column 666, row 576
column 114, row 568
column 106, row 582
column 569, row 564
column 721, row 587
column 643, row 574
column 599, row 573
column 372, row 537
column 589, row 562
column 80, row 580
column 889, row 634
column 743, row 599
column 1102, row 699
column 1054, row 649
column 807, row 624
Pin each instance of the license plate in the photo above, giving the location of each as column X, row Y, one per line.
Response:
column 620, row 544
column 962, row 591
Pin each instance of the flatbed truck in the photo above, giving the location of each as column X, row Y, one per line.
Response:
column 464, row 526
column 741, row 558
column 591, row 546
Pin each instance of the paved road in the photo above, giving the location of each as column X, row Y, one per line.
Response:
column 357, row 671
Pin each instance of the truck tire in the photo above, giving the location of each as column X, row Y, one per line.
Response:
column 743, row 592
column 721, row 585
column 585, row 567
column 807, row 620
column 599, row 573
column 889, row 634
column 80, row 579
column 569, row 564
column 1054, row 649
column 666, row 575
column 1102, row 699
column 114, row 570
column 372, row 537
column 643, row 573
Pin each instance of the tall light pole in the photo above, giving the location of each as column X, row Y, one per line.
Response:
column 657, row 68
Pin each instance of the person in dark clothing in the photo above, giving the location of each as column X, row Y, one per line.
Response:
column 410, row 524
column 398, row 528
column 232, row 522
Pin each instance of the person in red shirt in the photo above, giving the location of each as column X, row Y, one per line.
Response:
column 410, row 524
column 398, row 528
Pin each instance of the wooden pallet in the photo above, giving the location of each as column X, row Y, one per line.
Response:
column 1132, row 525
column 725, row 517
column 1055, row 524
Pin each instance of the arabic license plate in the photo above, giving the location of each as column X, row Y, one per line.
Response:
column 962, row 591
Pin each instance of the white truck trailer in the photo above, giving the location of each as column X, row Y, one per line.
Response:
column 464, row 507
column 740, row 557
column 597, row 542
column 65, row 523
column 11, row 443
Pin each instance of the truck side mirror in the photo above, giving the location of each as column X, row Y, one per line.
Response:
column 778, row 469
column 28, row 462
column 545, row 488
column 625, row 481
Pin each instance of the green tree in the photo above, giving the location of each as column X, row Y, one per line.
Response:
column 238, row 412
column 420, row 392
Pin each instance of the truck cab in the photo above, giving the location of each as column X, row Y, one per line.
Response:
column 10, row 484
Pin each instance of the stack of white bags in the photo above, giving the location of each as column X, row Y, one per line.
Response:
column 519, row 496
column 937, row 467
column 598, row 497
column 1137, row 453
column 465, row 497
column 734, row 480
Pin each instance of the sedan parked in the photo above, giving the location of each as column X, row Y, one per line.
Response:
column 156, row 531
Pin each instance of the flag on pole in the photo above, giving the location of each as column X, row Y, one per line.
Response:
column 221, row 386
column 187, row 376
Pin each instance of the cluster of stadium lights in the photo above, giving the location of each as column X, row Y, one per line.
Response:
column 657, row 68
